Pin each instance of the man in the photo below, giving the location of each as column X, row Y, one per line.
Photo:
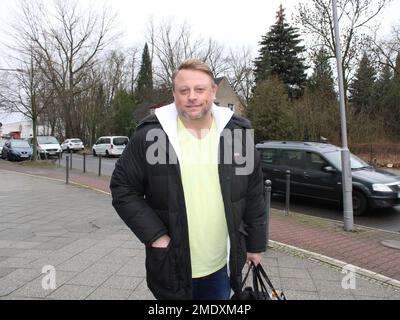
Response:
column 199, row 217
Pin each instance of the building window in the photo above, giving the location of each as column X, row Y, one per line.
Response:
column 231, row 106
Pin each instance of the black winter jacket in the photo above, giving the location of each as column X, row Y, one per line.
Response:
column 149, row 198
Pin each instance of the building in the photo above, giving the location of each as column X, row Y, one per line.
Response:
column 20, row 129
column 227, row 97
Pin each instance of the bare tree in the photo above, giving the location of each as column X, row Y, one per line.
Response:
column 356, row 18
column 240, row 74
column 386, row 50
column 170, row 46
column 26, row 92
column 67, row 45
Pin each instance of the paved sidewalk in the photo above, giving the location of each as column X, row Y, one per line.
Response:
column 46, row 222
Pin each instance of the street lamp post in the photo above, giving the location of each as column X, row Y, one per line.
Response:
column 347, row 183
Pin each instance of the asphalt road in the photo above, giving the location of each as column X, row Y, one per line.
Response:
column 386, row 219
column 92, row 163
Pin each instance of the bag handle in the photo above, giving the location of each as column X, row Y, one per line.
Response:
column 262, row 274
column 257, row 280
column 245, row 277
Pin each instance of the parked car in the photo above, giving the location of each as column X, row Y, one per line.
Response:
column 16, row 150
column 72, row 145
column 316, row 172
column 48, row 146
column 110, row 146
column 2, row 142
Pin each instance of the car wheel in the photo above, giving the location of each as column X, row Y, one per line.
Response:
column 94, row 153
column 360, row 203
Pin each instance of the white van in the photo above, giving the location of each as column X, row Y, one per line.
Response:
column 48, row 146
column 110, row 146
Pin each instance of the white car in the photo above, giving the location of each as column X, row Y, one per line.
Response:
column 110, row 146
column 47, row 146
column 2, row 142
column 72, row 145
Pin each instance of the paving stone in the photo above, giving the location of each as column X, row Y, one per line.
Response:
column 109, row 294
column 122, row 282
column 79, row 262
column 301, row 295
column 297, row 284
column 17, row 262
column 294, row 273
column 71, row 292
column 133, row 268
column 6, row 271
column 141, row 292
column 93, row 279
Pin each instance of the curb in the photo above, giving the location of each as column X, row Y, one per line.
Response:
column 337, row 264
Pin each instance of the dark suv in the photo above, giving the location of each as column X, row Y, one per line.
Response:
column 316, row 173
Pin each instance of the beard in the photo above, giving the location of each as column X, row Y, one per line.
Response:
column 202, row 114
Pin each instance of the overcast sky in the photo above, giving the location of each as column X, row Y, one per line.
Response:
column 233, row 23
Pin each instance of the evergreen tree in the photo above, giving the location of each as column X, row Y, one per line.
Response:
column 144, row 88
column 123, row 105
column 362, row 88
column 321, row 80
column 279, row 55
column 382, row 87
column 269, row 110
column 392, row 101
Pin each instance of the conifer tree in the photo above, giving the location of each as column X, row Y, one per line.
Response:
column 322, row 78
column 362, row 88
column 280, row 55
column 144, row 88
column 383, row 87
column 392, row 101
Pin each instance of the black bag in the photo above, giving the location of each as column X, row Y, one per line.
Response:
column 259, row 290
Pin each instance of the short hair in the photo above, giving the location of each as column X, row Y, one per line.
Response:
column 193, row 64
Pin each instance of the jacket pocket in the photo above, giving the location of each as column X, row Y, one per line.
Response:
column 161, row 267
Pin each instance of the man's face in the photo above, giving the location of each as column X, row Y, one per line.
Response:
column 194, row 93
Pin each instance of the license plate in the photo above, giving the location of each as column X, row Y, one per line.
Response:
column 52, row 153
column 24, row 156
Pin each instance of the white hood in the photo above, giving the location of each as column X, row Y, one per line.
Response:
column 168, row 116
column 47, row 146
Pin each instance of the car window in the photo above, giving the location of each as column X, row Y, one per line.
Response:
column 47, row 140
column 268, row 156
column 120, row 141
column 2, row 143
column 76, row 141
column 336, row 158
column 292, row 158
column 107, row 140
column 315, row 161
column 20, row 144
